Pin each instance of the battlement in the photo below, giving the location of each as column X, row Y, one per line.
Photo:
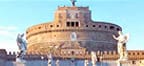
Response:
column 105, row 55
column 72, row 8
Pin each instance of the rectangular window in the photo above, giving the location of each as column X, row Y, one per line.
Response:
column 68, row 24
column 77, row 24
column 72, row 24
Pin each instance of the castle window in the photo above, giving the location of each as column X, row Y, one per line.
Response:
column 129, row 53
column 86, row 25
column 68, row 24
column 118, row 29
column 111, row 27
column 51, row 25
column 72, row 53
column 133, row 53
column 72, row 24
column 143, row 53
column 137, row 53
column 93, row 25
column 99, row 26
column 39, row 27
column 77, row 24
column 57, row 25
column 105, row 26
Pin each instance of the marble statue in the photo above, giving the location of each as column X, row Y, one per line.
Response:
column 86, row 62
column 22, row 46
column 73, row 2
column 122, row 40
column 50, row 59
column 57, row 63
column 73, row 36
column 93, row 58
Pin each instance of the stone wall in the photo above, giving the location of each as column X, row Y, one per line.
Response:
column 107, row 58
column 93, row 35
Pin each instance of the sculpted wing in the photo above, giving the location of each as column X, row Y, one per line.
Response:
column 114, row 37
column 126, row 37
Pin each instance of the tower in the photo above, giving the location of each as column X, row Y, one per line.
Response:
column 72, row 21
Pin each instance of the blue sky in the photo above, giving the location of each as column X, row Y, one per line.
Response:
column 17, row 15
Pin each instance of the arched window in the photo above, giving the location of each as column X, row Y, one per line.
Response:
column 118, row 29
column 39, row 27
column 86, row 25
column 72, row 24
column 77, row 24
column 99, row 26
column 51, row 25
column 105, row 26
column 93, row 25
column 112, row 27
column 57, row 25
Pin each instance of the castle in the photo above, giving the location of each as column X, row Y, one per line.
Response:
column 69, row 38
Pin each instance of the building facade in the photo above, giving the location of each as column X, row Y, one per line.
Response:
column 73, row 25
column 70, row 38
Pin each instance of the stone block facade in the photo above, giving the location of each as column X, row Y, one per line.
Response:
column 107, row 58
column 92, row 35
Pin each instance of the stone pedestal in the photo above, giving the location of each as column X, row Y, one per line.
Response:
column 122, row 63
column 19, row 64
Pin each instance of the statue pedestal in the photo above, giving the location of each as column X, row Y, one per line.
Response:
column 19, row 62
column 123, row 63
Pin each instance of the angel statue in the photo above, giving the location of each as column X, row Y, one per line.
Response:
column 73, row 2
column 93, row 58
column 21, row 43
column 122, row 40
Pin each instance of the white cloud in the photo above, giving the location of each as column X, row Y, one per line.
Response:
column 8, row 31
column 9, row 45
column 8, row 37
column 8, row 28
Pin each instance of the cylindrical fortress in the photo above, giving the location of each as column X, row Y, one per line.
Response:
column 72, row 25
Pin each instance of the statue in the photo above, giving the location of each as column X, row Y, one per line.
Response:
column 73, row 36
column 122, row 40
column 57, row 63
column 73, row 2
column 93, row 58
column 22, row 47
column 86, row 62
column 49, row 60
